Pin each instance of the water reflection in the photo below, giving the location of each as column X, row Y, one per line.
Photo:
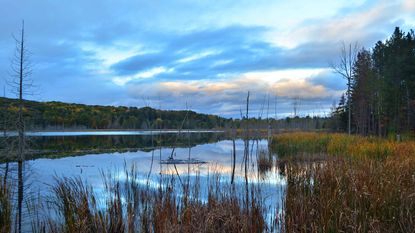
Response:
column 53, row 145
column 113, row 154
column 217, row 155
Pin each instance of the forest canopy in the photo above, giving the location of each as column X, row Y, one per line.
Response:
column 58, row 115
column 382, row 99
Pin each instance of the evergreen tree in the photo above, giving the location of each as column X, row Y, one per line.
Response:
column 383, row 88
column 363, row 94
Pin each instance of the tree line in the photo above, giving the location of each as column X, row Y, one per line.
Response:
column 381, row 97
column 58, row 115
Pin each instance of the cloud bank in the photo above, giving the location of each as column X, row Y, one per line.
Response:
column 206, row 55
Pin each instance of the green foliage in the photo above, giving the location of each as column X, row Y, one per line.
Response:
column 338, row 121
column 291, row 144
column 58, row 115
column 394, row 65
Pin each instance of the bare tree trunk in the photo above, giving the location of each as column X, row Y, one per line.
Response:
column 21, row 136
column 345, row 69
column 349, row 110
column 21, row 69
column 246, row 154
column 408, row 108
column 269, row 132
column 379, row 114
column 233, row 161
column 275, row 112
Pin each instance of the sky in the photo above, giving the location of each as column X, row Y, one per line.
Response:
column 198, row 55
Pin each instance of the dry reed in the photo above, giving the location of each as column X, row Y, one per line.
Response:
column 369, row 186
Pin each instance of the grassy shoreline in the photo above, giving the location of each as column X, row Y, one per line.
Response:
column 334, row 183
column 367, row 185
column 335, row 144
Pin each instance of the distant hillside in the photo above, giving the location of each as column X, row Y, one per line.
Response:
column 58, row 115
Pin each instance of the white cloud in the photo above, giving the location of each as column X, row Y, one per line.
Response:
column 408, row 5
column 224, row 96
column 270, row 77
column 122, row 80
column 350, row 26
column 197, row 56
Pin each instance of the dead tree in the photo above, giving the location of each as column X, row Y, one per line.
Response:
column 246, row 152
column 21, row 70
column 344, row 67
column 296, row 105
column 233, row 159
column 275, row 112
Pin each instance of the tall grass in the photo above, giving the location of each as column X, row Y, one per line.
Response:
column 5, row 206
column 351, row 196
column 129, row 207
column 368, row 186
column 264, row 161
column 293, row 144
column 288, row 144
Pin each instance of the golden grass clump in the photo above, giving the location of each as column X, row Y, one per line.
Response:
column 367, row 186
column 294, row 144
column 351, row 196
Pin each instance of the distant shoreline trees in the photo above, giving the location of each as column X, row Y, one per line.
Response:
column 66, row 116
column 61, row 116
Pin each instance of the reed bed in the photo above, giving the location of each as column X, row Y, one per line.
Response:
column 264, row 161
column 129, row 207
column 5, row 206
column 367, row 186
column 351, row 196
column 294, row 144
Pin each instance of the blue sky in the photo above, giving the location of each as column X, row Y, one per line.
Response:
column 202, row 54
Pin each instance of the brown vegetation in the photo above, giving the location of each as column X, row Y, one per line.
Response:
column 368, row 187
column 129, row 207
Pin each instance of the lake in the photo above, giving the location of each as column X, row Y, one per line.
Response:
column 89, row 154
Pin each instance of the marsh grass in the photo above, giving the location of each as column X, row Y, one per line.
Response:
column 368, row 185
column 294, row 144
column 264, row 161
column 5, row 206
column 129, row 207
column 351, row 196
